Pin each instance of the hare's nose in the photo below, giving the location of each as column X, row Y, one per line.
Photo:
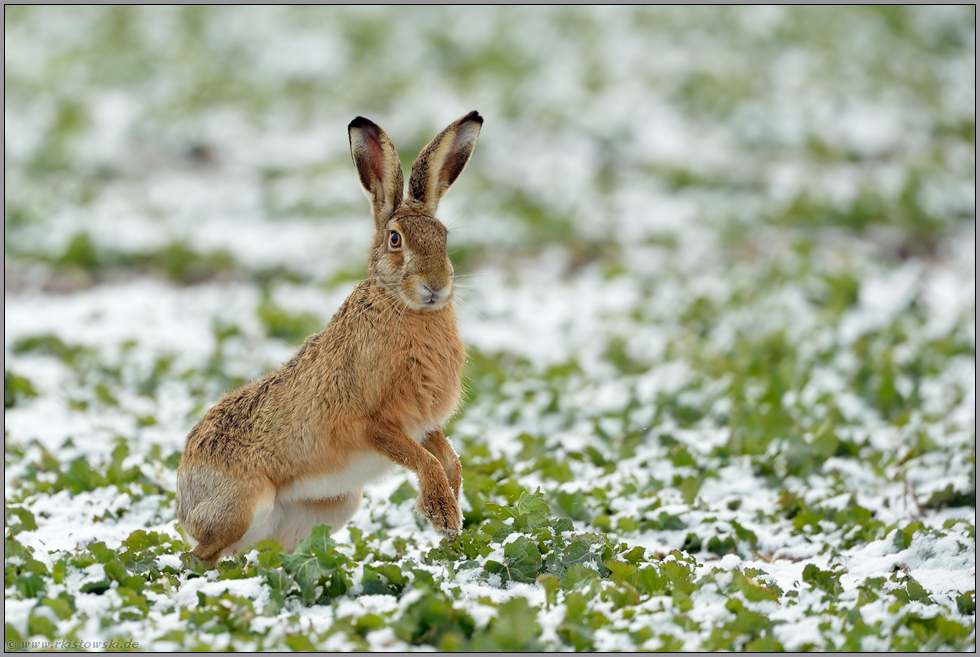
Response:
column 432, row 297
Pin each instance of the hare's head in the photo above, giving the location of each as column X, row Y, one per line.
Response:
column 408, row 255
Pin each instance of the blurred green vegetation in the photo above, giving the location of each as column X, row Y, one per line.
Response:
column 182, row 65
column 175, row 261
column 294, row 328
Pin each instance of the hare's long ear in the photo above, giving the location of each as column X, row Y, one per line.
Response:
column 377, row 166
column 442, row 160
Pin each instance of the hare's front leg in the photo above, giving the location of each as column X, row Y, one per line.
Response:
column 440, row 448
column 437, row 501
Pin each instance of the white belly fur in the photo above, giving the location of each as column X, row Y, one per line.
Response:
column 282, row 517
column 360, row 470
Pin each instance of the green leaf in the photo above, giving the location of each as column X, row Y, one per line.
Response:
column 572, row 505
column 98, row 588
column 522, row 562
column 649, row 581
column 499, row 512
column 635, row 555
column 423, row 578
column 824, row 580
column 13, row 548
column 562, row 525
column 27, row 522
column 101, row 552
column 279, row 580
column 142, row 540
column 535, row 507
column 29, row 585
column 133, row 598
column 752, row 591
column 235, row 568
column 58, row 570
column 369, row 622
column 195, row 564
column 679, row 574
column 300, row 643
column 11, row 637
column 63, row 606
column 16, row 389
column 765, row 643
column 950, row 497
column 916, row 591
column 360, row 545
column 270, row 554
column 80, row 477
column 966, row 603
column 515, row 629
column 432, row 620
column 721, row 547
column 904, row 536
column 386, row 579
column 743, row 534
column 621, row 596
column 318, row 541
column 41, row 625
column 689, row 489
column 578, row 552
column 550, row 584
column 620, row 571
column 581, row 578
column 692, row 542
column 746, row 621
column 315, row 562
column 308, row 570
column 670, row 523
column 578, row 627
column 115, row 570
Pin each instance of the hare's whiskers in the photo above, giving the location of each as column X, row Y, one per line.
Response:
column 470, row 308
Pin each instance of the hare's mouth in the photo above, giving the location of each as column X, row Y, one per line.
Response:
column 431, row 299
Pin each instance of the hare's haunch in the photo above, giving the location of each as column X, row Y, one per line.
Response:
column 293, row 448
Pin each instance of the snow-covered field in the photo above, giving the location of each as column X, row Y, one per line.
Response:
column 716, row 279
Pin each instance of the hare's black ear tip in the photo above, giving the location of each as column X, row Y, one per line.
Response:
column 474, row 116
column 359, row 122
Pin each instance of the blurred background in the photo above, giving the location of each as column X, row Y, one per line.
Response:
column 209, row 143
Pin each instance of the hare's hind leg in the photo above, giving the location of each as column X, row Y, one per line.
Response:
column 300, row 517
column 221, row 513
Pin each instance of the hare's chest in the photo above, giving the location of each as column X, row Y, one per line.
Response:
column 433, row 374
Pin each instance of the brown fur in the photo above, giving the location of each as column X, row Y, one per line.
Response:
column 380, row 379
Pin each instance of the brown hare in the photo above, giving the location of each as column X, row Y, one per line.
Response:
column 293, row 448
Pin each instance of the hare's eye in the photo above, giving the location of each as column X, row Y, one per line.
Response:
column 395, row 240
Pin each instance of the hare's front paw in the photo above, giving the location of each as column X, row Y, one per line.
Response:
column 443, row 512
